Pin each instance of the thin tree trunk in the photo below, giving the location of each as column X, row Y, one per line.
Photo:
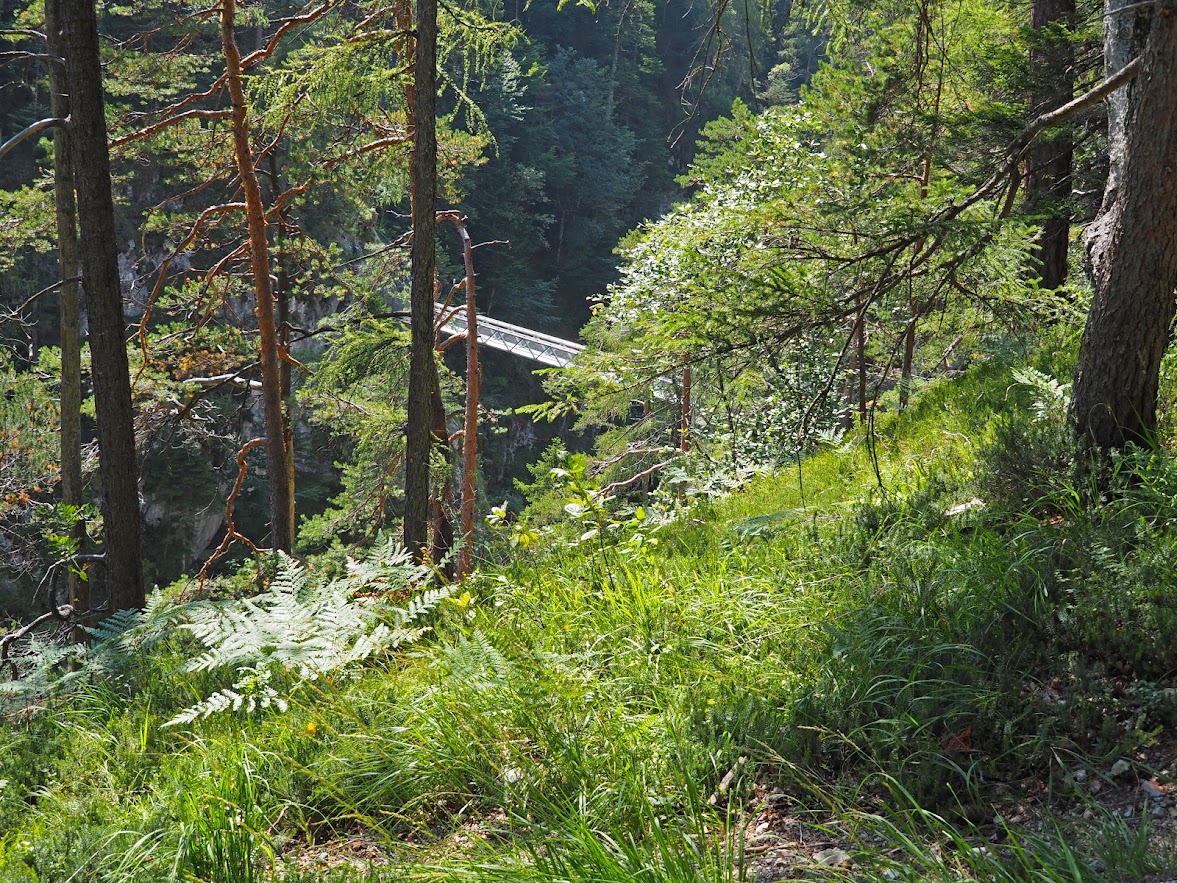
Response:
column 423, row 174
column 913, row 304
column 611, row 98
column 470, row 425
column 98, row 250
column 443, row 529
column 925, row 43
column 78, row 589
column 684, row 423
column 908, row 352
column 285, row 373
column 285, row 378
column 860, row 358
column 1048, row 184
column 277, row 455
column 1134, row 260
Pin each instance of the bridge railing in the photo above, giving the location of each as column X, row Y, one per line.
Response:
column 524, row 342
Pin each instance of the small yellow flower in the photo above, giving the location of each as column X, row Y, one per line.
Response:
column 463, row 602
column 312, row 728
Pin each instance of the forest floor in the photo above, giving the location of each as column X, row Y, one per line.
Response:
column 921, row 658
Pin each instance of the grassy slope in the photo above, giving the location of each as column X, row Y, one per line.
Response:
column 611, row 713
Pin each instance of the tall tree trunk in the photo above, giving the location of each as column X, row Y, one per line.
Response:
column 443, row 528
column 100, row 275
column 1048, row 184
column 69, row 304
column 913, row 304
column 1126, row 28
column 473, row 384
column 421, row 299
column 908, row 361
column 1133, row 253
column 610, row 99
column 860, row 356
column 285, row 373
column 285, row 379
column 277, row 456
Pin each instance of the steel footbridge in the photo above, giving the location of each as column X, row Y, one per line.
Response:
column 555, row 352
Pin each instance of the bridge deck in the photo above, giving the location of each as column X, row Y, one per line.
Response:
column 497, row 334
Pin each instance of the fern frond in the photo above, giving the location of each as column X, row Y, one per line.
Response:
column 116, row 625
column 305, row 627
column 249, row 693
column 1051, row 397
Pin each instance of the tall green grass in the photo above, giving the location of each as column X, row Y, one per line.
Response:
column 609, row 710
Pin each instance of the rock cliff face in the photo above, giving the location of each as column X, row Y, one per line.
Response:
column 189, row 467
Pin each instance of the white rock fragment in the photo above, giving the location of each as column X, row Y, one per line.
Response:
column 962, row 508
column 834, row 858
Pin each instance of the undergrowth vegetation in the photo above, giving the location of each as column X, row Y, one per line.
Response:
column 881, row 642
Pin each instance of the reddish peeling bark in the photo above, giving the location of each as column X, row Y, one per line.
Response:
column 277, row 455
column 473, row 381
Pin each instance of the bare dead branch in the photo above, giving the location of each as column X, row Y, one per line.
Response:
column 633, row 479
column 17, row 314
column 390, row 141
column 233, row 377
column 28, row 132
column 231, row 534
column 287, row 25
column 168, row 122
column 193, row 233
column 631, row 452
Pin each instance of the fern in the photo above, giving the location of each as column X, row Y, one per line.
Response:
column 250, row 692
column 126, row 633
column 41, row 669
column 305, row 628
column 476, row 661
column 114, row 627
column 424, row 603
column 1051, row 398
column 299, row 628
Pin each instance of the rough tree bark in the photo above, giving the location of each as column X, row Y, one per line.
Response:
column 443, row 528
column 473, row 386
column 926, row 43
column 1126, row 27
column 69, row 303
column 1048, row 183
column 100, row 276
column 913, row 304
column 282, row 294
column 470, row 424
column 1133, row 250
column 423, row 173
column 277, row 455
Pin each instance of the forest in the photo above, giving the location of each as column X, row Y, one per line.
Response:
column 613, row 441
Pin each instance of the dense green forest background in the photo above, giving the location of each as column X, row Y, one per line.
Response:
column 567, row 128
